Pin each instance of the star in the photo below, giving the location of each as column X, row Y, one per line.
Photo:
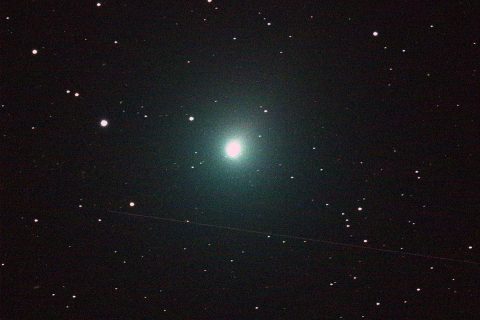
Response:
column 233, row 149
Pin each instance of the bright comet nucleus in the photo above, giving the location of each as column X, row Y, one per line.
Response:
column 233, row 149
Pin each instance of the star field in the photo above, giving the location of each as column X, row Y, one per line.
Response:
column 240, row 160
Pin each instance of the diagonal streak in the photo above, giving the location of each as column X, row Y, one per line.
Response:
column 332, row 243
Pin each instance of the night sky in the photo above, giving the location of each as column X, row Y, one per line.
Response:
column 351, row 190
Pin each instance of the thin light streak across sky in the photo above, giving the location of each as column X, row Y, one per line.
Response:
column 293, row 237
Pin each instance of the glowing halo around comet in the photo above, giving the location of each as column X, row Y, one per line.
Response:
column 233, row 149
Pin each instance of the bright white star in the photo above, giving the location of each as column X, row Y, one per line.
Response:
column 233, row 149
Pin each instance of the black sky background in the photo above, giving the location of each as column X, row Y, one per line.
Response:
column 350, row 131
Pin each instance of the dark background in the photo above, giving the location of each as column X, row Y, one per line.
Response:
column 351, row 117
